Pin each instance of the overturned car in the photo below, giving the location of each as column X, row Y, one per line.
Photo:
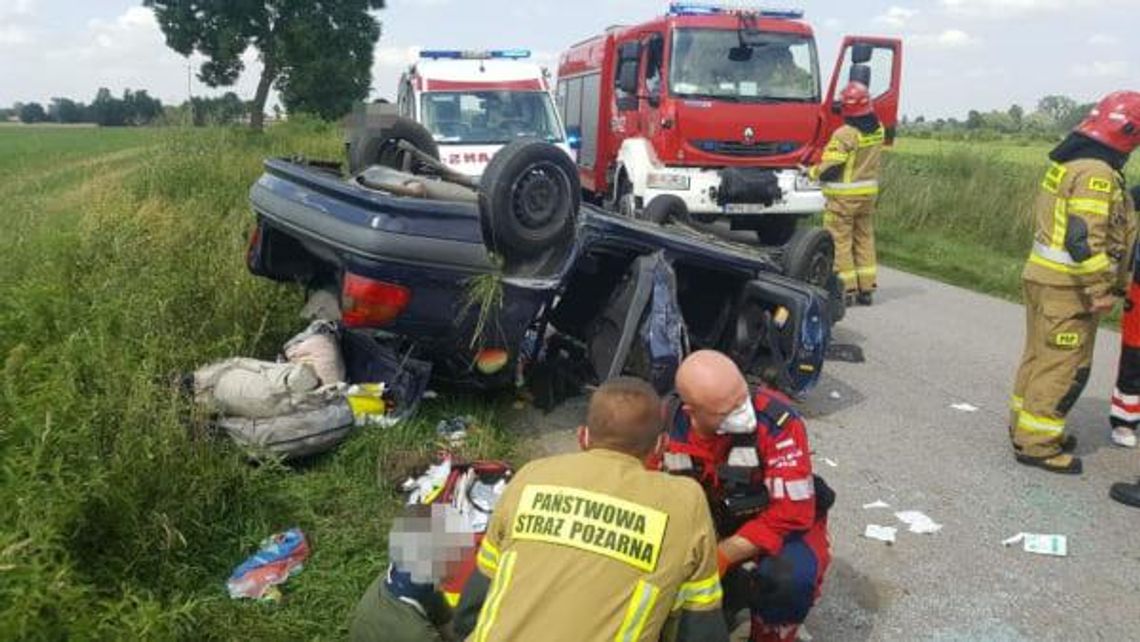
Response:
column 514, row 279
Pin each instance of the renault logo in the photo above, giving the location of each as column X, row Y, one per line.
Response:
column 749, row 136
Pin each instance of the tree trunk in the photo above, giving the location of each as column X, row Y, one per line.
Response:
column 257, row 110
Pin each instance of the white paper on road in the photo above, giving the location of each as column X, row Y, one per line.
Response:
column 878, row 503
column 881, row 533
column 1055, row 545
column 918, row 522
column 964, row 407
column 835, row 395
column 830, row 462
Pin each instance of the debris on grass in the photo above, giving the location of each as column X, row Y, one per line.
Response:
column 280, row 557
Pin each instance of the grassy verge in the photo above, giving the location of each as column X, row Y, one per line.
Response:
column 122, row 257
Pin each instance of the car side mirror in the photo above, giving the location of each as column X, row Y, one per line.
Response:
column 861, row 74
column 861, row 53
column 627, row 77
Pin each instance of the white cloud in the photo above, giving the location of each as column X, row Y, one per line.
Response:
column 1101, row 69
column 833, row 24
column 1000, row 9
column 896, row 17
column 15, row 8
column 947, row 39
column 1103, row 40
column 13, row 35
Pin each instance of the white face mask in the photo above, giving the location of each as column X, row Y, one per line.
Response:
column 741, row 421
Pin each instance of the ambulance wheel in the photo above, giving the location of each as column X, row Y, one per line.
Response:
column 383, row 149
column 776, row 229
column 809, row 256
column 666, row 208
column 528, row 200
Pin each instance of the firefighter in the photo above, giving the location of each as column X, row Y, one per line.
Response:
column 849, row 173
column 1124, row 416
column 1079, row 264
column 593, row 546
column 750, row 452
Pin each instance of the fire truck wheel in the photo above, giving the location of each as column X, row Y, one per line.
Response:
column 382, row 148
column 665, row 209
column 810, row 256
column 528, row 200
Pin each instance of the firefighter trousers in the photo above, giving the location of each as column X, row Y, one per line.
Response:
column 1060, row 331
column 848, row 218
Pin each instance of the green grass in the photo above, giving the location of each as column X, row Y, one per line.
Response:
column 960, row 212
column 122, row 260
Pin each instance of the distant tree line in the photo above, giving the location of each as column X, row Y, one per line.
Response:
column 1054, row 115
column 135, row 108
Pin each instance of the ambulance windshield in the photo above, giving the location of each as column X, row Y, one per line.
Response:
column 766, row 67
column 490, row 117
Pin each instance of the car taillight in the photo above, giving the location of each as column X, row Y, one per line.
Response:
column 253, row 249
column 368, row 302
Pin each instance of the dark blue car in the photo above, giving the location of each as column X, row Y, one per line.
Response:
column 489, row 286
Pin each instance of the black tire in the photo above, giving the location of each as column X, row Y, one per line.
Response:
column 666, row 208
column 776, row 229
column 382, row 149
column 810, row 256
column 528, row 200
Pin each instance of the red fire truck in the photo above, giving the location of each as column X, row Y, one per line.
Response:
column 710, row 110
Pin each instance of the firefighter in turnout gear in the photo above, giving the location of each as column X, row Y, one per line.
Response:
column 849, row 173
column 750, row 452
column 594, row 546
column 1077, row 269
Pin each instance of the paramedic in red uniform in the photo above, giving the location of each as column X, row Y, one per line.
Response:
column 749, row 450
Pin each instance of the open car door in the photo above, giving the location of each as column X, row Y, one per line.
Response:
column 875, row 62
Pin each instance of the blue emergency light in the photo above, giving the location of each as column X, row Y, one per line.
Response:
column 455, row 54
column 709, row 9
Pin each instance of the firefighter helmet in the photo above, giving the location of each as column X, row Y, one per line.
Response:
column 856, row 100
column 1115, row 121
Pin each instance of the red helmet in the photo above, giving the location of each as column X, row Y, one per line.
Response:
column 856, row 100
column 1115, row 121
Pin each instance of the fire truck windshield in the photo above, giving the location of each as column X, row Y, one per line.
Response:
column 718, row 64
column 490, row 117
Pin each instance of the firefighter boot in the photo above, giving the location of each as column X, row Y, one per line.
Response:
column 864, row 298
column 1126, row 493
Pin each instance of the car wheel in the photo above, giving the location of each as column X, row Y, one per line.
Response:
column 383, row 149
column 776, row 229
column 528, row 200
column 810, row 256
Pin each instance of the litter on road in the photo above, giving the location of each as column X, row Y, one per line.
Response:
column 280, row 557
column 835, row 395
column 1054, row 545
column 964, row 407
column 830, row 462
column 878, row 503
column 881, row 533
column 918, row 522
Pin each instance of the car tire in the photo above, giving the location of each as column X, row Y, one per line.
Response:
column 666, row 208
column 776, row 229
column 528, row 200
column 809, row 256
column 382, row 148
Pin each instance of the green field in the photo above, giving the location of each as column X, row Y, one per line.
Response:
column 121, row 252
column 960, row 212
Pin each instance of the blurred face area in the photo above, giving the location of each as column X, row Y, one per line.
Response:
column 430, row 548
column 715, row 394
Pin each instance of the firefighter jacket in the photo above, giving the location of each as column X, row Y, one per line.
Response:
column 777, row 459
column 850, row 163
column 1084, row 228
column 593, row 546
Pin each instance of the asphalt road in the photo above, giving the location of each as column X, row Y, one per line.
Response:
column 889, row 427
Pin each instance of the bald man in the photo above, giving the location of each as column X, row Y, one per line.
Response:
column 594, row 546
column 749, row 450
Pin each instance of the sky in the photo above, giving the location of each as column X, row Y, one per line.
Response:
column 959, row 54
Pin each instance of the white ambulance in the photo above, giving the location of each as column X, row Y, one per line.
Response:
column 474, row 102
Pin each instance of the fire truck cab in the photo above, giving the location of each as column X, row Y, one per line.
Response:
column 474, row 102
column 717, row 107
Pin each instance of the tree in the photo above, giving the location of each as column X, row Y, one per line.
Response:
column 1017, row 114
column 920, row 120
column 32, row 113
column 1057, row 108
column 106, row 110
column 65, row 110
column 140, row 108
column 974, row 120
column 319, row 51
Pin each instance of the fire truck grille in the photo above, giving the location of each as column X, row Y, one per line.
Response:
column 740, row 148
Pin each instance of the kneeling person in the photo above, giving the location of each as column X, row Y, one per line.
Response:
column 750, row 451
column 593, row 546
